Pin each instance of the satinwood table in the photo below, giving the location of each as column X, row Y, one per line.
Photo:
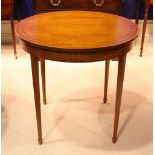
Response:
column 77, row 36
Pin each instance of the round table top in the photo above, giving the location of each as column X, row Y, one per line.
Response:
column 76, row 30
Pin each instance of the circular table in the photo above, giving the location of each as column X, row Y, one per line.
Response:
column 77, row 36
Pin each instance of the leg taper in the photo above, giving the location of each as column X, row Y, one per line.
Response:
column 35, row 76
column 42, row 62
column 120, row 78
column 107, row 62
column 147, row 4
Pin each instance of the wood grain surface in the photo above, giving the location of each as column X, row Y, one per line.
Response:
column 77, row 30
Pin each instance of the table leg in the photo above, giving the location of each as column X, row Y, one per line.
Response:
column 120, row 78
column 107, row 62
column 144, row 26
column 42, row 62
column 13, row 35
column 35, row 76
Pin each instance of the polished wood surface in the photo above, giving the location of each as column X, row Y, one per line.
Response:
column 77, row 36
column 7, row 12
column 106, row 78
column 42, row 65
column 78, row 30
column 110, row 6
column 120, row 79
column 35, row 77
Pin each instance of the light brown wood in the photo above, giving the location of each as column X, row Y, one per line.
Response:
column 120, row 79
column 77, row 36
column 77, row 55
column 35, row 76
column 42, row 65
column 80, row 30
column 107, row 63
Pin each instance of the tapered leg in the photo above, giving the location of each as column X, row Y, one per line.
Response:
column 120, row 78
column 13, row 35
column 42, row 62
column 144, row 27
column 107, row 62
column 35, row 76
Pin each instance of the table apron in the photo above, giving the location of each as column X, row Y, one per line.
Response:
column 90, row 56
